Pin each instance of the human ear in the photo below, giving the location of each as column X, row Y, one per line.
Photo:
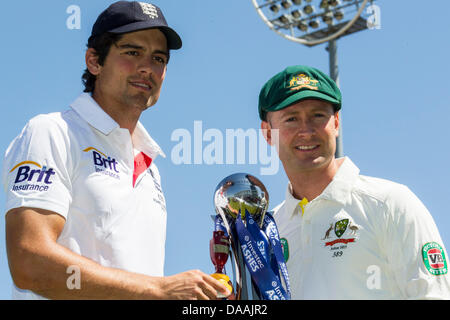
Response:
column 267, row 132
column 336, row 122
column 92, row 61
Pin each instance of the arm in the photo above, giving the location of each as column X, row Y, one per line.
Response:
column 38, row 263
column 410, row 227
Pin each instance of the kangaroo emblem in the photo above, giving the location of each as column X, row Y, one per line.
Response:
column 353, row 228
column 327, row 234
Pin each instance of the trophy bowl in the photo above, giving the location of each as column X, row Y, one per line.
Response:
column 239, row 192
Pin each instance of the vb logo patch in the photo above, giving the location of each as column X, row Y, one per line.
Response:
column 434, row 258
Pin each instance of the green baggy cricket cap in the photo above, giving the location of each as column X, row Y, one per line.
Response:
column 296, row 83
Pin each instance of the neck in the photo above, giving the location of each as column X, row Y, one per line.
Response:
column 126, row 116
column 310, row 184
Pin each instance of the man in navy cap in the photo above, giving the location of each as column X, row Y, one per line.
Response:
column 86, row 214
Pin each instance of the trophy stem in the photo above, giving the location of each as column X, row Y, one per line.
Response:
column 237, row 268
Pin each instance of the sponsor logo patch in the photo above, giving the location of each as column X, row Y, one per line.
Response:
column 434, row 258
column 103, row 163
column 32, row 176
column 285, row 248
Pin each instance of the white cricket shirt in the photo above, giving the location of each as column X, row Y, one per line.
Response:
column 80, row 164
column 362, row 238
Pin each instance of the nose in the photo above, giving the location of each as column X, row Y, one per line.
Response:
column 145, row 66
column 305, row 127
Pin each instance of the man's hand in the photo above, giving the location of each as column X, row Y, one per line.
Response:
column 192, row 285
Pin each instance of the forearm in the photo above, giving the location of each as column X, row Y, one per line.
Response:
column 46, row 273
column 38, row 263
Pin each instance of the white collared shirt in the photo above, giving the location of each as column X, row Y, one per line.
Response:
column 80, row 164
column 362, row 238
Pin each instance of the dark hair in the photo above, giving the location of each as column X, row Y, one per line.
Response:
column 101, row 44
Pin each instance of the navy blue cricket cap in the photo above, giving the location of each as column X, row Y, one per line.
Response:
column 129, row 16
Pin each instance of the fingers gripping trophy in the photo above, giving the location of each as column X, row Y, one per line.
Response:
column 245, row 231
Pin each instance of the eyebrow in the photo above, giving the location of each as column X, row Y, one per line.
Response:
column 137, row 47
column 130, row 46
column 314, row 108
column 289, row 113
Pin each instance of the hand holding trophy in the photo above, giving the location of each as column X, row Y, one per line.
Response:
column 259, row 269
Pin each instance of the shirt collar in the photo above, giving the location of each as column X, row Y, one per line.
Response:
column 291, row 203
column 339, row 189
column 88, row 109
column 144, row 142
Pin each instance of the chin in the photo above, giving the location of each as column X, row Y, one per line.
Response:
column 150, row 103
column 312, row 164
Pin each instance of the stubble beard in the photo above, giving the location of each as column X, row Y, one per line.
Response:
column 139, row 101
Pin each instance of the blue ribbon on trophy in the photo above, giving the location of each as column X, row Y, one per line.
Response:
column 241, row 203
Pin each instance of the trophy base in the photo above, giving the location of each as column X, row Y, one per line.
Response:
column 225, row 280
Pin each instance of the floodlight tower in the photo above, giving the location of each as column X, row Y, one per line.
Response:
column 300, row 21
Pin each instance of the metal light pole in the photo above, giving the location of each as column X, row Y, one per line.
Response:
column 293, row 19
column 334, row 74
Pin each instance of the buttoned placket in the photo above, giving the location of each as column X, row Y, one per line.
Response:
column 122, row 138
column 306, row 230
column 305, row 214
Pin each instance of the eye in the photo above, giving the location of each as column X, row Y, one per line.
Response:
column 161, row 60
column 132, row 53
column 290, row 119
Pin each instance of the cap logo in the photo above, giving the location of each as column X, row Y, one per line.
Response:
column 302, row 81
column 149, row 10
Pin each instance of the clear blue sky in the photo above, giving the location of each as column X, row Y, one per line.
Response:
column 394, row 80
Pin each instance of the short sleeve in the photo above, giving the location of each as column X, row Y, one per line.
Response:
column 36, row 169
column 415, row 249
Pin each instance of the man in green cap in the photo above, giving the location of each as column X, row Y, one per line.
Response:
column 344, row 235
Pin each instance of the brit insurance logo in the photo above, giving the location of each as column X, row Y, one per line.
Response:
column 103, row 163
column 31, row 176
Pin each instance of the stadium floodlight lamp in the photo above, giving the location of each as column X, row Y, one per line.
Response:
column 338, row 15
column 275, row 8
column 314, row 23
column 348, row 16
column 301, row 24
column 286, row 4
column 334, row 3
column 309, row 9
column 328, row 18
column 296, row 14
column 324, row 4
column 284, row 18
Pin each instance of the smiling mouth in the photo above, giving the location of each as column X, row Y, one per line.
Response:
column 142, row 86
column 307, row 148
